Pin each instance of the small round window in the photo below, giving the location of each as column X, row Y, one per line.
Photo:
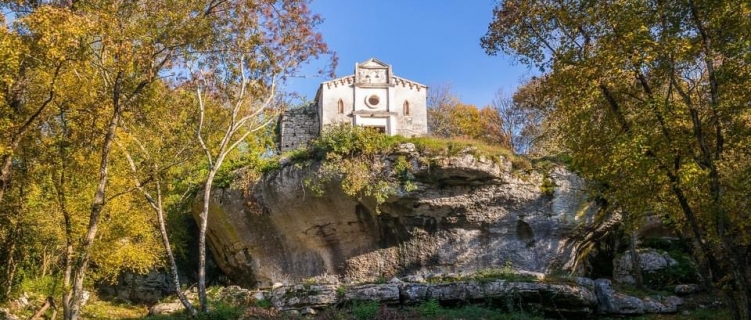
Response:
column 373, row 100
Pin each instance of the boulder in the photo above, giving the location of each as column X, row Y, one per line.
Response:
column 395, row 280
column 413, row 293
column 385, row 293
column 234, row 295
column 138, row 288
column 585, row 282
column 685, row 289
column 456, row 291
column 6, row 315
column 308, row 311
column 650, row 260
column 166, row 308
column 662, row 304
column 406, row 148
column 258, row 296
column 299, row 296
column 550, row 296
column 611, row 302
column 672, row 303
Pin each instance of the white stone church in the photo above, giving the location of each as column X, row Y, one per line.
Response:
column 372, row 97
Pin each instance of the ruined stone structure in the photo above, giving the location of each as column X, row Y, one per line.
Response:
column 372, row 97
column 298, row 126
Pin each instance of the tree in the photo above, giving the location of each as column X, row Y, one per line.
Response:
column 524, row 118
column 161, row 144
column 491, row 128
column 441, row 100
column 513, row 122
column 448, row 117
column 110, row 55
column 237, row 83
column 649, row 100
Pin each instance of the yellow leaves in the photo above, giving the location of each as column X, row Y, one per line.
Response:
column 58, row 33
column 127, row 237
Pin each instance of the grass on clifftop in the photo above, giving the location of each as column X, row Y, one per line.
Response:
column 346, row 140
column 350, row 155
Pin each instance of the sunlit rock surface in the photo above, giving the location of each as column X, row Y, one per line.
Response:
column 468, row 213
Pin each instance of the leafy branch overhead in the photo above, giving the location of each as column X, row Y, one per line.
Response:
column 650, row 99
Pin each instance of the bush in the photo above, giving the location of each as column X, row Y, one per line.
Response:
column 430, row 309
column 364, row 310
column 683, row 272
column 45, row 286
column 347, row 140
column 263, row 303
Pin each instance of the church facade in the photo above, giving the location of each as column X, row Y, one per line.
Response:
column 372, row 97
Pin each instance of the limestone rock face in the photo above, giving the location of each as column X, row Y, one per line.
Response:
column 561, row 297
column 468, row 213
column 650, row 260
column 139, row 288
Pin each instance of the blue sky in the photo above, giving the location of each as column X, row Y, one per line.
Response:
column 428, row 41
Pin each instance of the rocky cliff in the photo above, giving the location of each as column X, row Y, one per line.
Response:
column 468, row 213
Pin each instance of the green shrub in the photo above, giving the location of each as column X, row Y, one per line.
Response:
column 683, row 272
column 430, row 309
column 344, row 139
column 263, row 303
column 548, row 186
column 45, row 286
column 340, row 292
column 364, row 310
column 348, row 154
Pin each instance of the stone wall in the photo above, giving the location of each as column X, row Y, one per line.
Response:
column 298, row 127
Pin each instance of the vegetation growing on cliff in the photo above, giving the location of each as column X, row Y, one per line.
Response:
column 368, row 165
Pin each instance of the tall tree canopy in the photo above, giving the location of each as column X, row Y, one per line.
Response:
column 652, row 99
column 96, row 102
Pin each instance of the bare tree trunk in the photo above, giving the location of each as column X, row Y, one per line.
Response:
column 158, row 207
column 170, row 256
column 10, row 265
column 61, row 198
column 97, row 205
column 202, row 241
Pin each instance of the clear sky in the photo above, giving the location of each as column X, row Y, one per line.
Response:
column 427, row 41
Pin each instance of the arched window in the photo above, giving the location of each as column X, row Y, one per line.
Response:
column 406, row 108
column 340, row 104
